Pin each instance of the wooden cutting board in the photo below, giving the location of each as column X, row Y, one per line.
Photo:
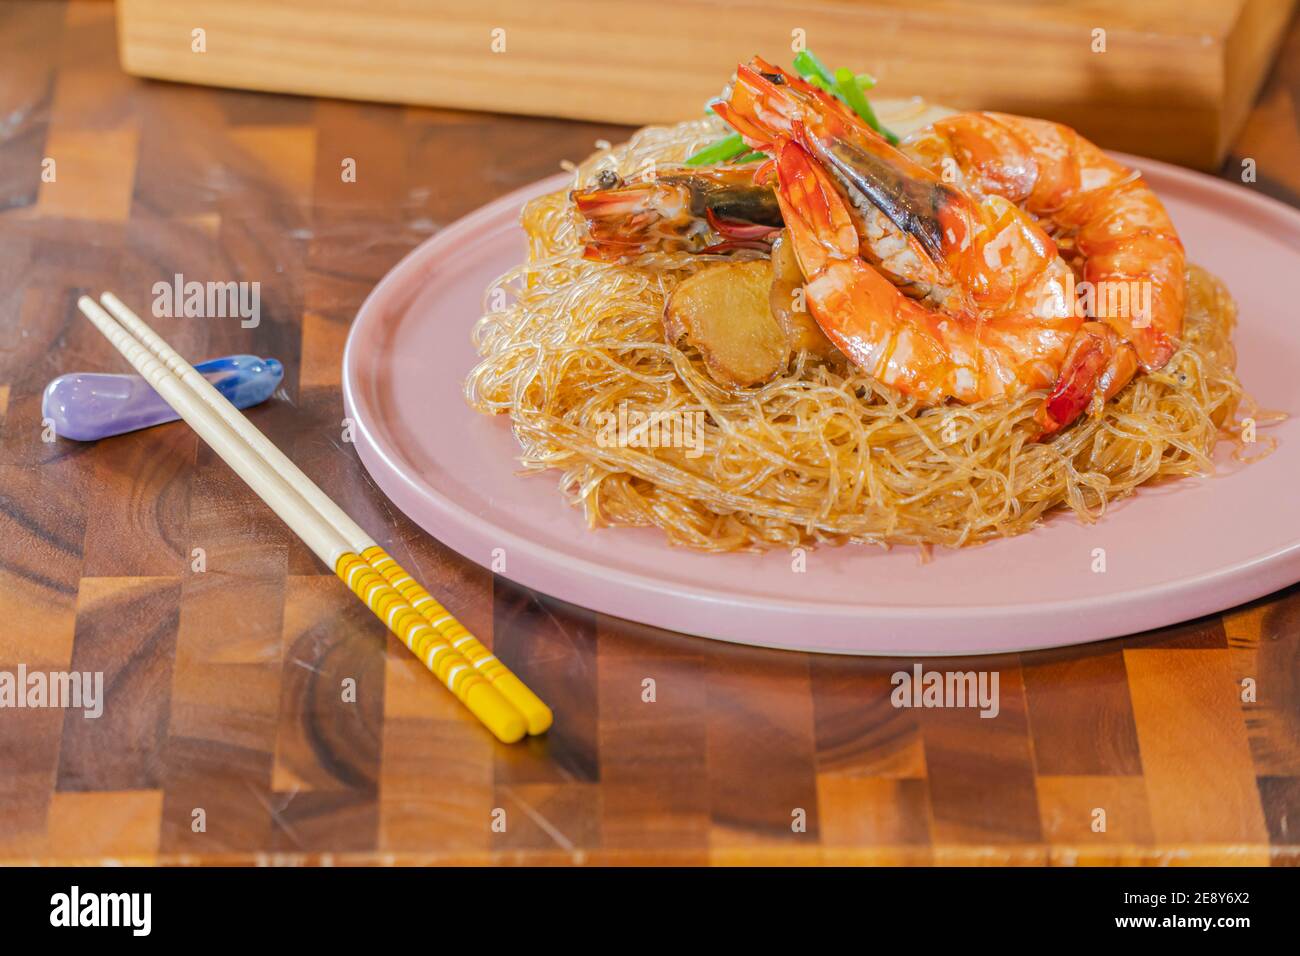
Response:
column 1166, row 78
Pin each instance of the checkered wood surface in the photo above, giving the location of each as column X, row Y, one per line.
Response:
column 224, row 686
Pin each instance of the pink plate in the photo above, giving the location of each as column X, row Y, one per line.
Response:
column 1171, row 553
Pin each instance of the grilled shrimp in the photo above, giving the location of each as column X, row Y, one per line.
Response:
column 983, row 330
column 1103, row 216
column 684, row 208
column 1000, row 266
column 984, row 219
column 903, row 342
column 717, row 209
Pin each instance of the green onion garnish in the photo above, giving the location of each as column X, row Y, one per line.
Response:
column 719, row 152
column 807, row 65
column 846, row 85
column 750, row 157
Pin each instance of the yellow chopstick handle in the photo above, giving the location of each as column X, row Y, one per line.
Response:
column 447, row 664
column 535, row 712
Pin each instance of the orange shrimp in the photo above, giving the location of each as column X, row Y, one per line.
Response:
column 682, row 208
column 992, row 267
column 928, row 353
column 988, row 332
column 1108, row 221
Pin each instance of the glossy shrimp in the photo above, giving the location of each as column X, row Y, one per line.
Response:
column 1106, row 221
column 716, row 210
column 993, row 322
column 1001, row 316
column 928, row 353
column 681, row 208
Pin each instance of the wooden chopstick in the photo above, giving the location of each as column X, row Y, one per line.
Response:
column 535, row 712
column 467, row 683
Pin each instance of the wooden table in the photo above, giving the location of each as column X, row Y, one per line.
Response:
column 225, row 686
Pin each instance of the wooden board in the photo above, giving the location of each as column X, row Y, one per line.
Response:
column 223, row 685
column 1174, row 81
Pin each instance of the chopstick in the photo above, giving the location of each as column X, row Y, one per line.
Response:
column 328, row 531
column 534, row 711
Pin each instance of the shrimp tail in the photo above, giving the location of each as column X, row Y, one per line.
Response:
column 1098, row 364
column 820, row 225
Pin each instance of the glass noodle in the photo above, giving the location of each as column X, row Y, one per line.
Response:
column 822, row 454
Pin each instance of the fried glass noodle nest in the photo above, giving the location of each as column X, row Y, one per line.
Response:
column 822, row 454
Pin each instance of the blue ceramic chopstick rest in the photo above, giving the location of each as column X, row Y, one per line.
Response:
column 86, row 406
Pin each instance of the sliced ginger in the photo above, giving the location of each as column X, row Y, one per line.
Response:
column 744, row 321
column 724, row 311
